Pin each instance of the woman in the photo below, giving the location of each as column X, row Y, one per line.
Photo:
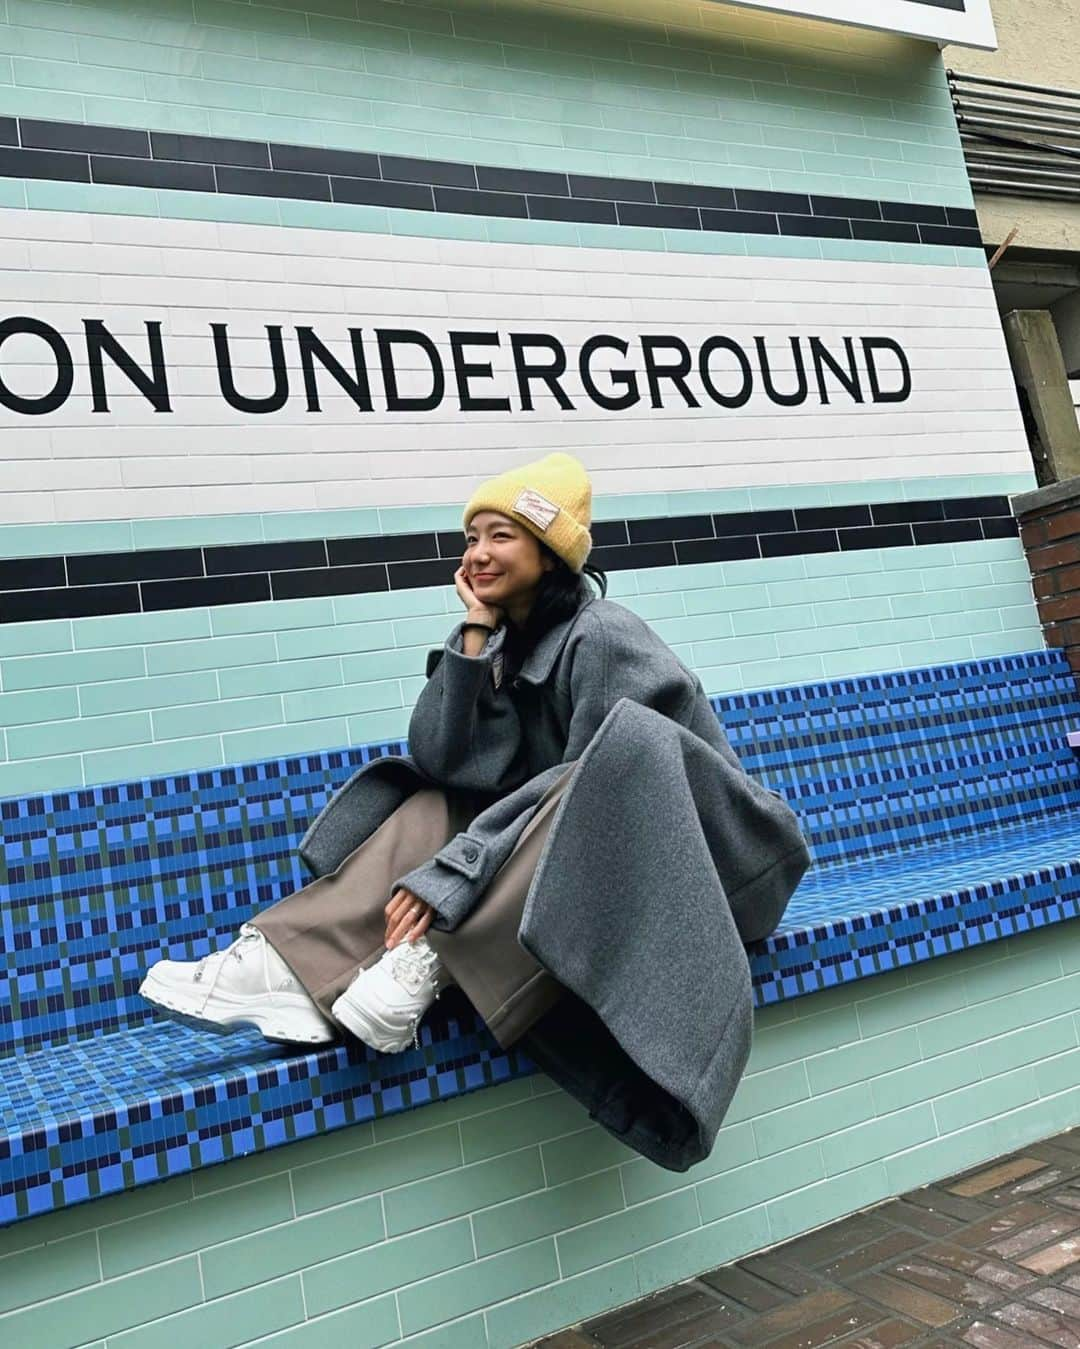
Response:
column 489, row 851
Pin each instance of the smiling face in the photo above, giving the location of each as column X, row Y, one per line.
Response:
column 504, row 563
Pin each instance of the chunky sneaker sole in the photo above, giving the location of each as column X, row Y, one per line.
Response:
column 290, row 1019
column 377, row 1026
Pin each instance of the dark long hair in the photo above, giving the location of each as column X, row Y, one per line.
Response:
column 561, row 594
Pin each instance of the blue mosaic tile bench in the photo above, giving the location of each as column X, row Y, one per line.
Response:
column 940, row 805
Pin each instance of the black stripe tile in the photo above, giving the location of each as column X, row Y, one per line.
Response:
column 608, row 532
column 210, row 150
column 876, row 536
column 947, row 531
column 740, row 222
column 659, row 217
column 815, row 226
column 754, row 199
column 293, row 585
column 572, row 208
column 412, row 575
column 337, row 163
column 852, row 207
column 151, row 564
column 734, row 549
column 382, row 548
column 377, row 192
column 32, row 573
column 1000, row 527
column 102, row 140
column 671, row 527
column 205, row 590
column 831, row 517
column 904, row 512
column 451, row 543
column 611, row 189
column 235, row 558
column 29, row 606
column 437, row 172
column 949, row 234
column 464, row 202
column 886, row 231
column 960, row 215
column 964, row 508
column 50, row 164
column 634, row 555
column 913, row 213
column 788, row 545
column 754, row 522
column 690, row 194
column 152, row 173
column 9, row 131
column 267, row 183
column 523, row 180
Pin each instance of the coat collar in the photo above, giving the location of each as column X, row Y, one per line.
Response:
column 538, row 664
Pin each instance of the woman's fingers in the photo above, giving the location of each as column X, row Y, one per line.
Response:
column 407, row 921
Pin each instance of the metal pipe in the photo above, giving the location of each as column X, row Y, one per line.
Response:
column 1014, row 84
column 1006, row 188
column 1012, row 167
column 1018, row 119
column 1030, row 129
column 967, row 95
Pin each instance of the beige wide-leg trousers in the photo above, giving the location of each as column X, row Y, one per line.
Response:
column 335, row 926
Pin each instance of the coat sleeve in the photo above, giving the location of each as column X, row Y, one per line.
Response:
column 605, row 661
column 464, row 732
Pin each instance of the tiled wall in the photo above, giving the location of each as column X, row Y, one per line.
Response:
column 500, row 1216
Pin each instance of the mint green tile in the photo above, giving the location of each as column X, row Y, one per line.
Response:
column 67, row 669
column 932, row 601
column 583, row 1153
column 41, row 1273
column 896, row 629
column 382, row 1166
column 699, row 628
column 57, row 196
column 175, row 205
column 108, row 1308
column 1048, row 1040
column 439, row 227
column 386, row 1267
column 270, row 742
column 216, row 653
column 287, row 525
column 1058, row 1071
column 726, row 1240
column 937, row 652
column 192, row 533
column 863, row 1060
column 940, row 1157
column 344, row 701
column 803, row 591
column 792, row 1040
column 133, row 695
column 732, row 599
column 365, row 1326
column 227, row 1322
column 139, row 761
column 171, row 625
column 760, row 1092
column 463, row 1190
column 238, row 714
column 38, row 706
column 409, row 519
column 822, row 1115
column 44, row 739
column 293, row 1246
column 143, row 1241
column 879, row 1138
column 404, row 662
column 928, row 555
column 569, row 1302
column 620, row 1234
column 283, row 677
column 964, row 625
column 551, row 1210
column 71, row 78
column 341, row 640
column 493, row 1280
column 518, row 1126
column 644, row 1180
column 1008, row 643
column 820, row 1204
column 275, row 616
column 426, row 600
column 99, row 536
column 984, row 1100
column 745, row 648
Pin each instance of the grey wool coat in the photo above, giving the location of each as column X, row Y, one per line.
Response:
column 663, row 858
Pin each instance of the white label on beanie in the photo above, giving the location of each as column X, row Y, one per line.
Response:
column 536, row 508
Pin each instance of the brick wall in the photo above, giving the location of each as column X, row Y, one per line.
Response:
column 1050, row 533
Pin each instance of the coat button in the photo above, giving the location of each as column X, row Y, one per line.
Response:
column 470, row 854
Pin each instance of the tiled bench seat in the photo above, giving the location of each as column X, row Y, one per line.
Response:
column 941, row 806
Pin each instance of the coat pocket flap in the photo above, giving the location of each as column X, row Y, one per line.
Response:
column 463, row 854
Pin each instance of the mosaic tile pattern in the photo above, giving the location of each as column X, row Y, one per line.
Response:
column 940, row 804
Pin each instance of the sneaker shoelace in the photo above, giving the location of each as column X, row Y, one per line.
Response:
column 248, row 934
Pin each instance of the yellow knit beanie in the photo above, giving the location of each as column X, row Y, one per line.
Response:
column 551, row 497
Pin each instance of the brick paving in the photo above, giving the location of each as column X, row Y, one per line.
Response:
column 989, row 1258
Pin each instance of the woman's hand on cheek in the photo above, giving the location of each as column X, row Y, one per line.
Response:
column 406, row 917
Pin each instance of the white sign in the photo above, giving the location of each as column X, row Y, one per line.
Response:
column 967, row 23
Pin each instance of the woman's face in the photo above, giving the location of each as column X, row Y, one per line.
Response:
column 503, row 561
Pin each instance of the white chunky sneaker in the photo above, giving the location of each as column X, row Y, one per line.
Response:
column 383, row 1005
column 247, row 984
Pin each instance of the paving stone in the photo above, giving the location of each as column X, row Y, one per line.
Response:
column 1056, row 1225
column 920, row 1219
column 716, row 1321
column 1001, row 1223
column 750, row 1292
column 885, row 1335
column 1047, row 1325
column 918, row 1304
column 946, row 1283
column 940, row 1200
column 993, row 1177
column 1041, row 1180
column 1059, row 1299
column 984, row 1336
column 826, row 1331
column 818, row 1248
column 888, row 1247
column 629, row 1325
column 1059, row 1256
column 796, row 1314
column 979, row 1266
column 567, row 1339
column 779, row 1271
